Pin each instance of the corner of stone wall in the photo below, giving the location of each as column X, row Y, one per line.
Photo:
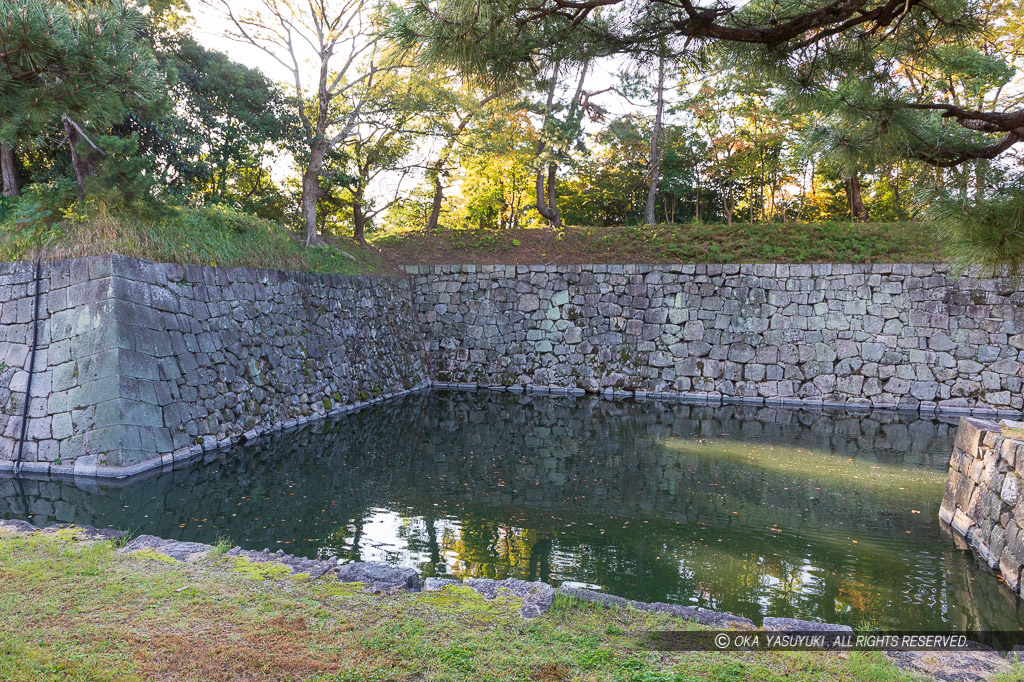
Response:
column 76, row 389
column 983, row 502
column 143, row 365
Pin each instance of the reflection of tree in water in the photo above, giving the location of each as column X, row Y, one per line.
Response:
column 425, row 543
column 487, row 549
column 621, row 495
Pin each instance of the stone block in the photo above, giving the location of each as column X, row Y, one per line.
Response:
column 969, row 434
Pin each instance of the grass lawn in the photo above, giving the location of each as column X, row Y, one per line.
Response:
column 689, row 243
column 78, row 611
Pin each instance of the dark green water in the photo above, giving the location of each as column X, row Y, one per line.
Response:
column 824, row 516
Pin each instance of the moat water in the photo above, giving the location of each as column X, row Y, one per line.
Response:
column 829, row 516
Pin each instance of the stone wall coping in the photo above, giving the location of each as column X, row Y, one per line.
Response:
column 760, row 269
column 132, row 267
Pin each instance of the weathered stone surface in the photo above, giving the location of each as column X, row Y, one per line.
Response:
column 380, row 577
column 795, row 624
column 8, row 527
column 537, row 596
column 311, row 567
column 86, row 533
column 80, row 533
column 951, row 666
column 434, row 584
column 703, row 616
column 181, row 551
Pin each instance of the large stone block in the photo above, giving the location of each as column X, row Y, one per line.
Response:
column 969, row 434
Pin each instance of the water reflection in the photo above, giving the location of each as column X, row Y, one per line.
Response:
column 758, row 511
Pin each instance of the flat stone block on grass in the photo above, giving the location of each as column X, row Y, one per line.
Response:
column 380, row 577
column 537, row 596
column 179, row 551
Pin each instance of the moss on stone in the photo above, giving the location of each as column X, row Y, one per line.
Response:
column 259, row 570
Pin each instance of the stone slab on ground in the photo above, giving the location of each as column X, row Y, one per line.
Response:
column 11, row 527
column 697, row 615
column 314, row 568
column 797, row 625
column 81, row 533
column 180, row 551
column 537, row 596
column 435, row 584
column 381, row 578
column 951, row 666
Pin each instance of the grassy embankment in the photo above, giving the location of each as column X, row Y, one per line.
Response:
column 77, row 611
column 689, row 243
column 223, row 237
column 173, row 234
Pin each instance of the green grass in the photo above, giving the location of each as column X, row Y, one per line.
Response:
column 175, row 234
column 836, row 242
column 72, row 611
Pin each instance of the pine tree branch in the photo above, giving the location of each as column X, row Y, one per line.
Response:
column 982, row 121
column 954, row 158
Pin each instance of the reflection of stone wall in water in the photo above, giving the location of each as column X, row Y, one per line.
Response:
column 984, row 500
column 139, row 360
column 882, row 335
column 513, row 451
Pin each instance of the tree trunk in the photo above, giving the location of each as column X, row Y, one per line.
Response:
column 654, row 169
column 696, row 213
column 9, row 171
column 311, row 190
column 542, row 201
column 855, row 199
column 543, row 204
column 556, row 215
column 358, row 218
column 80, row 162
column 435, row 209
column 547, row 200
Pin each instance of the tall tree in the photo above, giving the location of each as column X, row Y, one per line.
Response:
column 654, row 167
column 466, row 105
column 337, row 43
column 558, row 135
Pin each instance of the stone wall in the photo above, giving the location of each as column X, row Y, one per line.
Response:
column 900, row 336
column 984, row 500
column 140, row 363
